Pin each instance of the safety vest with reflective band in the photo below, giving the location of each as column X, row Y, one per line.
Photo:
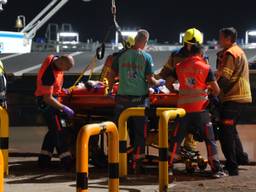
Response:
column 192, row 74
column 42, row 90
column 237, row 74
column 177, row 56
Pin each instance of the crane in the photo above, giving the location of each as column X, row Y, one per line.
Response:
column 23, row 39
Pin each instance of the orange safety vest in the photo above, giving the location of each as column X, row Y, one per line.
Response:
column 42, row 90
column 192, row 74
column 239, row 77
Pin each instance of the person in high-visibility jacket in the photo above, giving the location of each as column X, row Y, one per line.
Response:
column 49, row 86
column 233, row 78
column 195, row 78
column 3, row 86
column 191, row 36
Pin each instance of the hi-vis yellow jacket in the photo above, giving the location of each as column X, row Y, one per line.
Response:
column 233, row 65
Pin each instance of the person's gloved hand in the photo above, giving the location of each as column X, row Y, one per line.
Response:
column 70, row 113
column 157, row 90
column 66, row 91
column 161, row 82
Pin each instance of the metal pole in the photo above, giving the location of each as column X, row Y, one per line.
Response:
column 1, row 172
column 165, row 117
column 4, row 138
column 36, row 19
column 46, row 18
column 123, row 133
column 82, row 155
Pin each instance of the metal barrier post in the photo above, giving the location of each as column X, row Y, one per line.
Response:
column 82, row 154
column 123, row 133
column 4, row 137
column 163, row 145
column 1, row 172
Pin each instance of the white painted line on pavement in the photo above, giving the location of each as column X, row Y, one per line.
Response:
column 21, row 72
column 10, row 56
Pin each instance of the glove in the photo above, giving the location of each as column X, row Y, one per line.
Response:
column 66, row 91
column 161, row 82
column 156, row 90
column 70, row 113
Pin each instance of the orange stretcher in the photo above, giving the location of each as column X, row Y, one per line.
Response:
column 84, row 99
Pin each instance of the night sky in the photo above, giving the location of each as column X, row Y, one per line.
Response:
column 165, row 19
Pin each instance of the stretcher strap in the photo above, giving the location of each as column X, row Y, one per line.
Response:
column 91, row 65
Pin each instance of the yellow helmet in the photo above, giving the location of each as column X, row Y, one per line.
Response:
column 130, row 42
column 193, row 36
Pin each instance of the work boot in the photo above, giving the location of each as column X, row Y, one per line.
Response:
column 44, row 162
column 136, row 168
column 67, row 163
column 243, row 159
column 219, row 174
column 231, row 172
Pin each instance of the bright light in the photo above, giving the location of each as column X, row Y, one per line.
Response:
column 252, row 33
column 129, row 33
column 68, row 34
column 3, row 1
column 69, row 42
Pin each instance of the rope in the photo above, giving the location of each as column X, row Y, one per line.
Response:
column 92, row 64
column 100, row 51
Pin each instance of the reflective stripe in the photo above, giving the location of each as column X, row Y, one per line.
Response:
column 189, row 92
column 66, row 154
column 46, row 153
column 186, row 100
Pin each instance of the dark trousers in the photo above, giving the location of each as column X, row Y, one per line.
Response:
column 230, row 142
column 199, row 125
column 56, row 137
column 137, row 126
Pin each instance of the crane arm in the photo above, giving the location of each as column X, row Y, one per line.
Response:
column 42, row 17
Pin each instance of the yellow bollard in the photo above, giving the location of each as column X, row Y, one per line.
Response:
column 123, row 133
column 82, row 155
column 165, row 117
column 4, row 137
column 1, row 172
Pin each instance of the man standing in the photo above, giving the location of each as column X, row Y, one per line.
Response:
column 134, row 68
column 191, row 36
column 233, row 78
column 49, row 86
column 195, row 78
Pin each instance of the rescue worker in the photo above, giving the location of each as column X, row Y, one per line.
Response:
column 195, row 77
column 49, row 86
column 191, row 36
column 134, row 67
column 233, row 78
column 3, row 86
